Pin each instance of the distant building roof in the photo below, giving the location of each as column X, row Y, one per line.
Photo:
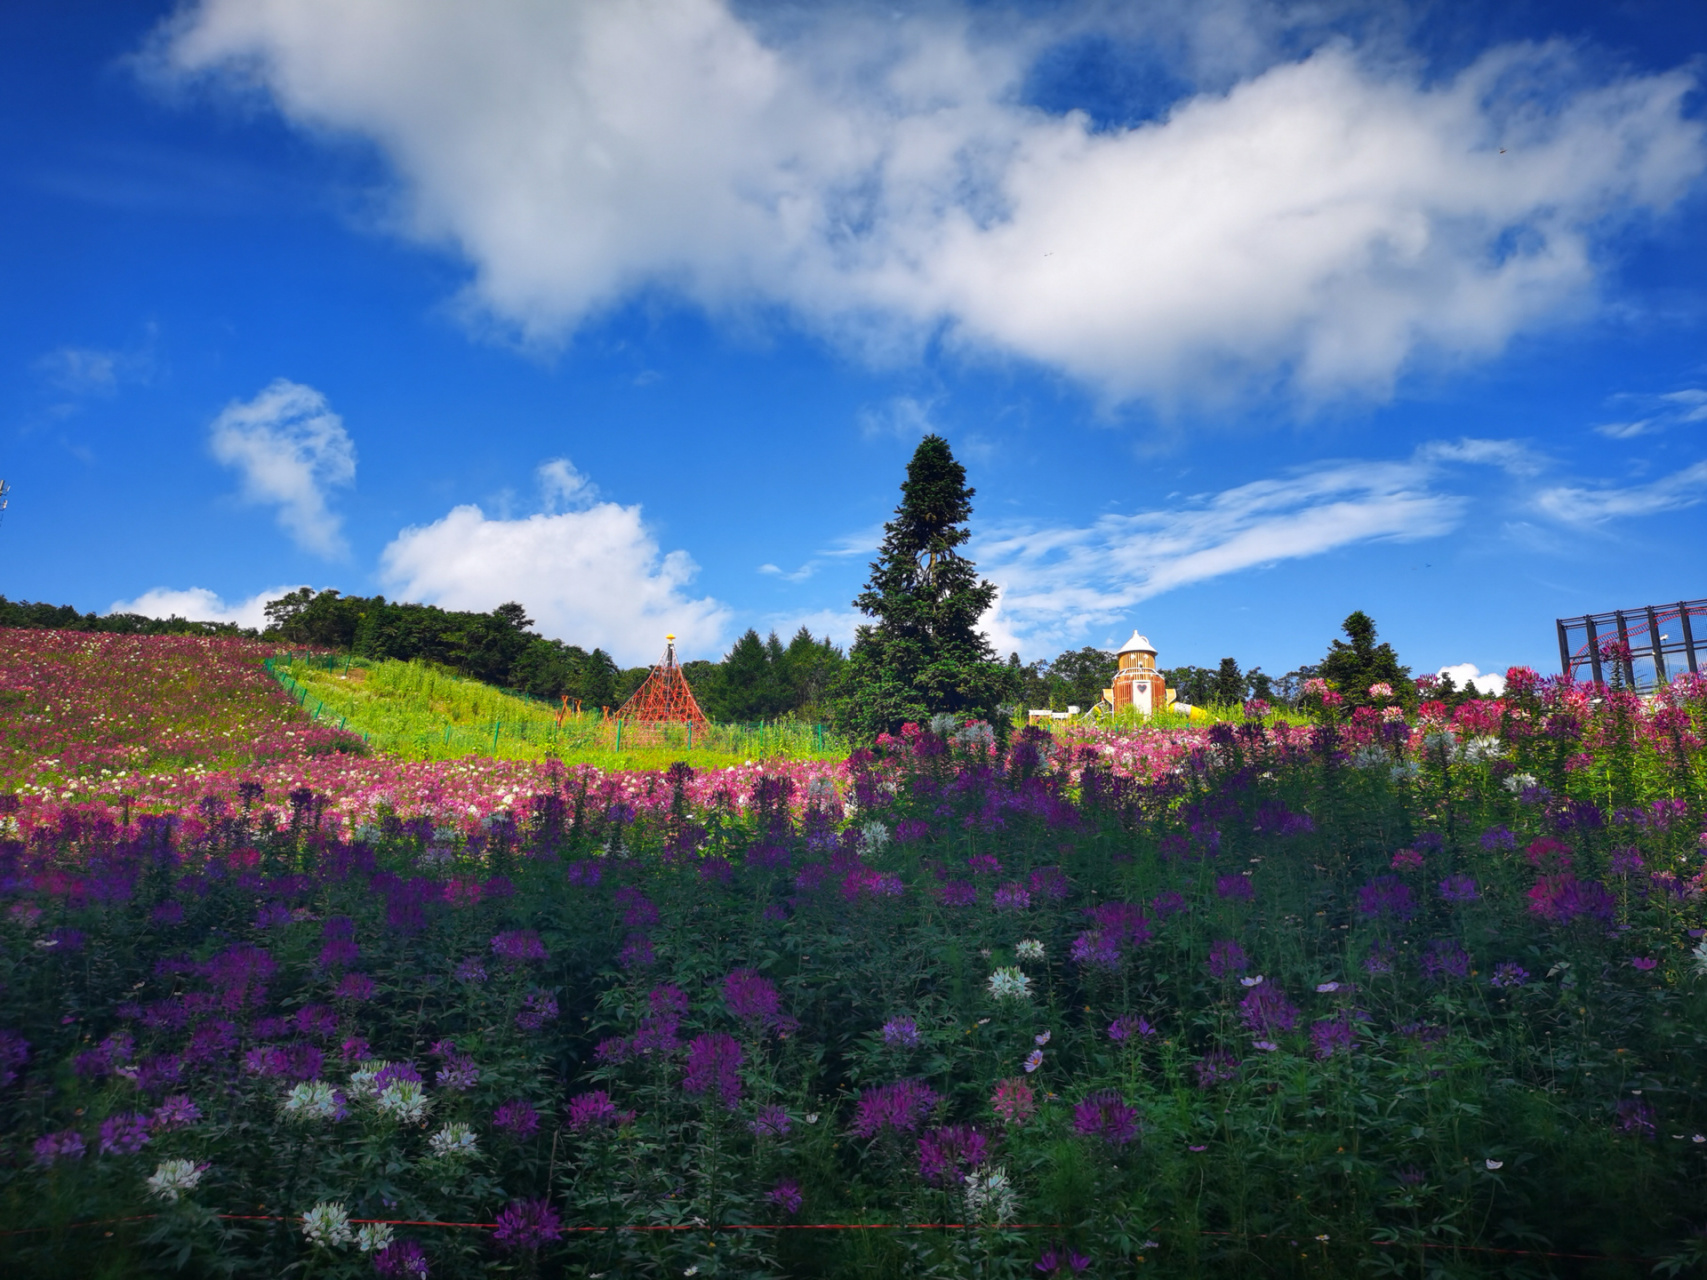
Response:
column 1137, row 644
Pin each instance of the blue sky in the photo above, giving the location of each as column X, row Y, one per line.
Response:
column 1239, row 320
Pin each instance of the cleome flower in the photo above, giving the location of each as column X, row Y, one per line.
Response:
column 373, row 1237
column 313, row 1100
column 990, row 1196
column 1028, row 949
column 174, row 1177
column 327, row 1225
column 1010, row 983
column 403, row 1100
column 452, row 1141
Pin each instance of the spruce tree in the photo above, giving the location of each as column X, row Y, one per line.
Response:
column 924, row 654
column 1352, row 668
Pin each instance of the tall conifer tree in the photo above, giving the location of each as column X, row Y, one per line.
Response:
column 924, row 655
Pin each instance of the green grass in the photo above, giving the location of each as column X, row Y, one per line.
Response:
column 417, row 711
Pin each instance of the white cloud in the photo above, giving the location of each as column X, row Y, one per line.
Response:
column 1059, row 583
column 804, row 572
column 1578, row 505
column 198, row 604
column 1322, row 221
column 99, row 371
column 290, row 448
column 1656, row 412
column 903, row 416
column 563, row 486
column 589, row 577
column 1465, row 674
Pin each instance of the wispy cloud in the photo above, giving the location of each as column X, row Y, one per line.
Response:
column 1649, row 414
column 290, row 448
column 804, row 572
column 1062, row 582
column 86, row 372
column 1576, row 504
column 902, row 416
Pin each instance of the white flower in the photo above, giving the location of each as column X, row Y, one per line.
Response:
column 1481, row 749
column 174, row 1177
column 403, row 1100
column 1368, row 757
column 1440, row 740
column 873, row 836
column 942, row 724
column 1494, row 1164
column 454, row 1140
column 1406, row 771
column 1029, row 949
column 1326, row 987
column 990, row 1196
column 361, row 1079
column 1251, row 982
column 327, row 1225
column 1009, row 983
column 1520, row 782
column 373, row 1237
column 1700, row 956
column 312, row 1100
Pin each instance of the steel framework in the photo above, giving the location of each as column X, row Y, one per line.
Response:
column 663, row 697
column 1650, row 634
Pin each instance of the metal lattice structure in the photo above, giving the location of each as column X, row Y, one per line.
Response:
column 1651, row 635
column 663, row 697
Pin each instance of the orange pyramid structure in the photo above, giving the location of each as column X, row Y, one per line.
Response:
column 663, row 697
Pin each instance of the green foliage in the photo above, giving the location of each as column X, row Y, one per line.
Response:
column 63, row 617
column 924, row 656
column 1350, row 669
column 1076, row 678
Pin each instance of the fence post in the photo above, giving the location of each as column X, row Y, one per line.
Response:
column 496, row 725
column 619, row 735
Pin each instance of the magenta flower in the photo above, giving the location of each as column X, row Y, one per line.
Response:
column 519, row 945
column 771, row 1122
column 1643, row 962
column 1266, row 1010
column 355, row 986
column 947, row 1155
column 786, row 1196
column 1096, row 950
column 1458, row 889
column 1333, row 1035
column 751, row 998
column 1213, row 1069
column 901, row 1106
column 404, row 1259
column 1235, row 888
column 176, row 1112
column 1227, row 958
column 1055, row 1262
column 593, row 1110
column 517, row 1117
column 901, row 1033
column 527, row 1224
column 538, row 1008
column 1012, row 897
column 1386, row 897
column 338, row 953
column 1122, row 1029
column 1103, row 1115
column 714, row 1067
column 637, row 952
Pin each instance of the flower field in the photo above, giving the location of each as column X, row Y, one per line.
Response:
column 1363, row 997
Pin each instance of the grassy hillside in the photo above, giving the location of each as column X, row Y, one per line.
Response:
column 417, row 711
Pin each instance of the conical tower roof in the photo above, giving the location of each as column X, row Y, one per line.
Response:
column 1137, row 644
column 664, row 696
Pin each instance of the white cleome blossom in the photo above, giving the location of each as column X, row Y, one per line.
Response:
column 403, row 1100
column 1406, row 771
column 1010, row 983
column 1368, row 757
column 454, row 1140
column 327, row 1225
column 174, row 1177
column 312, row 1100
column 373, row 1237
column 361, row 1079
column 1699, row 955
column 1521, row 782
column 873, row 836
column 1482, row 749
column 1029, row 949
column 990, row 1196
column 943, row 724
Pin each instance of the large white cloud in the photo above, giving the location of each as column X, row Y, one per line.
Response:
column 290, row 448
column 198, row 604
column 1321, row 220
column 591, row 577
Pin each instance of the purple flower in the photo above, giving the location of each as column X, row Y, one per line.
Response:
column 1446, row 959
column 901, row 1106
column 176, row 1112
column 771, row 1122
column 785, row 1196
column 984, row 864
column 404, row 1259
column 1012, row 897
column 1227, row 958
column 1236, row 888
column 168, row 913
column 947, row 1155
column 637, row 952
column 1459, row 889
column 593, row 1110
column 1563, row 898
column 1498, row 838
column 517, row 1117
column 585, row 874
column 1626, row 861
column 1096, row 950
column 1379, row 960
column 527, row 1224
column 1266, row 1010
column 458, row 1072
column 338, row 953
column 266, row 1060
column 957, row 893
column 1637, row 1117
column 396, row 1073
column 1122, row 1029
column 538, row 1008
column 519, row 945
column 355, row 986
column 1643, row 962
column 714, row 1067
column 1166, row 904
column 1054, row 1262
column 909, row 829
column 639, row 911
column 469, row 970
column 66, row 939
column 124, row 1134
column 901, row 1033
column 355, row 1049
column 751, row 998
column 1049, row 882
column 1103, row 1115
column 1333, row 1035
column 1121, row 922
column 1215, row 1068
column 316, row 1020
column 1387, row 897
column 1509, row 975
column 67, row 1144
